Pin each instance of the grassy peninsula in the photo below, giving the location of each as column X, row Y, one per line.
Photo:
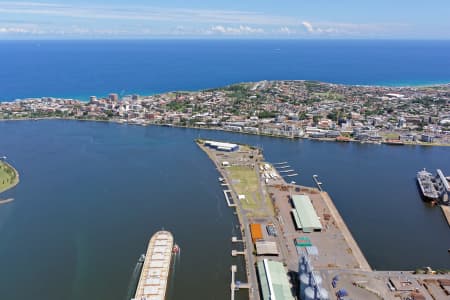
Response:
column 9, row 177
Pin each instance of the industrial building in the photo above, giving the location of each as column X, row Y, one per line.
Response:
column 304, row 214
column 274, row 282
column 256, row 232
column 228, row 147
column 266, row 248
column 442, row 186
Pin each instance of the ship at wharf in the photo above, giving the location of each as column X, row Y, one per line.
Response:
column 436, row 190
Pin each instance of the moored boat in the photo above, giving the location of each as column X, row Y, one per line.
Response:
column 394, row 142
column 426, row 185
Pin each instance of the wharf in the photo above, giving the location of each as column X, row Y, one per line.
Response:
column 356, row 251
column 237, row 285
column 245, row 171
column 233, row 201
column 446, row 212
column 262, row 196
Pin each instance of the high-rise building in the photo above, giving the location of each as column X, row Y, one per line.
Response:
column 113, row 97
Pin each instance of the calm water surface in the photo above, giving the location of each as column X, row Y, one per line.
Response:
column 84, row 68
column 92, row 194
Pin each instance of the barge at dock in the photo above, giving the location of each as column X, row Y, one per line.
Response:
column 153, row 280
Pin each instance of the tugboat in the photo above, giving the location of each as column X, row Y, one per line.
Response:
column 426, row 185
column 176, row 249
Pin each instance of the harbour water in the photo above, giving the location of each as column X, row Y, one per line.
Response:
column 92, row 194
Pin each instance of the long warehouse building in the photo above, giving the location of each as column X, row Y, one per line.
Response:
column 222, row 146
column 304, row 214
column 274, row 281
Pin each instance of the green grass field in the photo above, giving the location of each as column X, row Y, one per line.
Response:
column 246, row 182
column 8, row 177
column 390, row 136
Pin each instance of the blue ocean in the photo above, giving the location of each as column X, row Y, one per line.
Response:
column 83, row 68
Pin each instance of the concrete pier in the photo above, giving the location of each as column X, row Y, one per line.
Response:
column 234, row 286
column 236, row 253
column 332, row 250
column 363, row 264
column 446, row 212
column 236, row 240
column 230, row 203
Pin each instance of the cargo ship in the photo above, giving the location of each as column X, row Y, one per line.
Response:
column 154, row 276
column 426, row 185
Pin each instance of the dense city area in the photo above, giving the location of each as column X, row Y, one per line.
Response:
column 294, row 109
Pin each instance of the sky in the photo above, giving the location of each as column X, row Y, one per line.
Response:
column 303, row 19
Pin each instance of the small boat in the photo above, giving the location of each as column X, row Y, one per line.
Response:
column 394, row 142
column 176, row 249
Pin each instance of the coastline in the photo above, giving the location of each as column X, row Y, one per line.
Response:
column 85, row 98
column 220, row 129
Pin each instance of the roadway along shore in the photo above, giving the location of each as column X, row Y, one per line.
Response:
column 144, row 123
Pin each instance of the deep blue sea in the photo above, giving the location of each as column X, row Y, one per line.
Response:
column 83, row 68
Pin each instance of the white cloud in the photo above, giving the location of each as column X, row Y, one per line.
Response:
column 241, row 29
column 53, row 19
column 27, row 29
column 350, row 29
column 308, row 26
column 12, row 30
column 144, row 13
column 286, row 30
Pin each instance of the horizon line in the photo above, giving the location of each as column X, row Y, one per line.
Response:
column 216, row 38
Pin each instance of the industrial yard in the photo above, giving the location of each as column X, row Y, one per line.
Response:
column 284, row 224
